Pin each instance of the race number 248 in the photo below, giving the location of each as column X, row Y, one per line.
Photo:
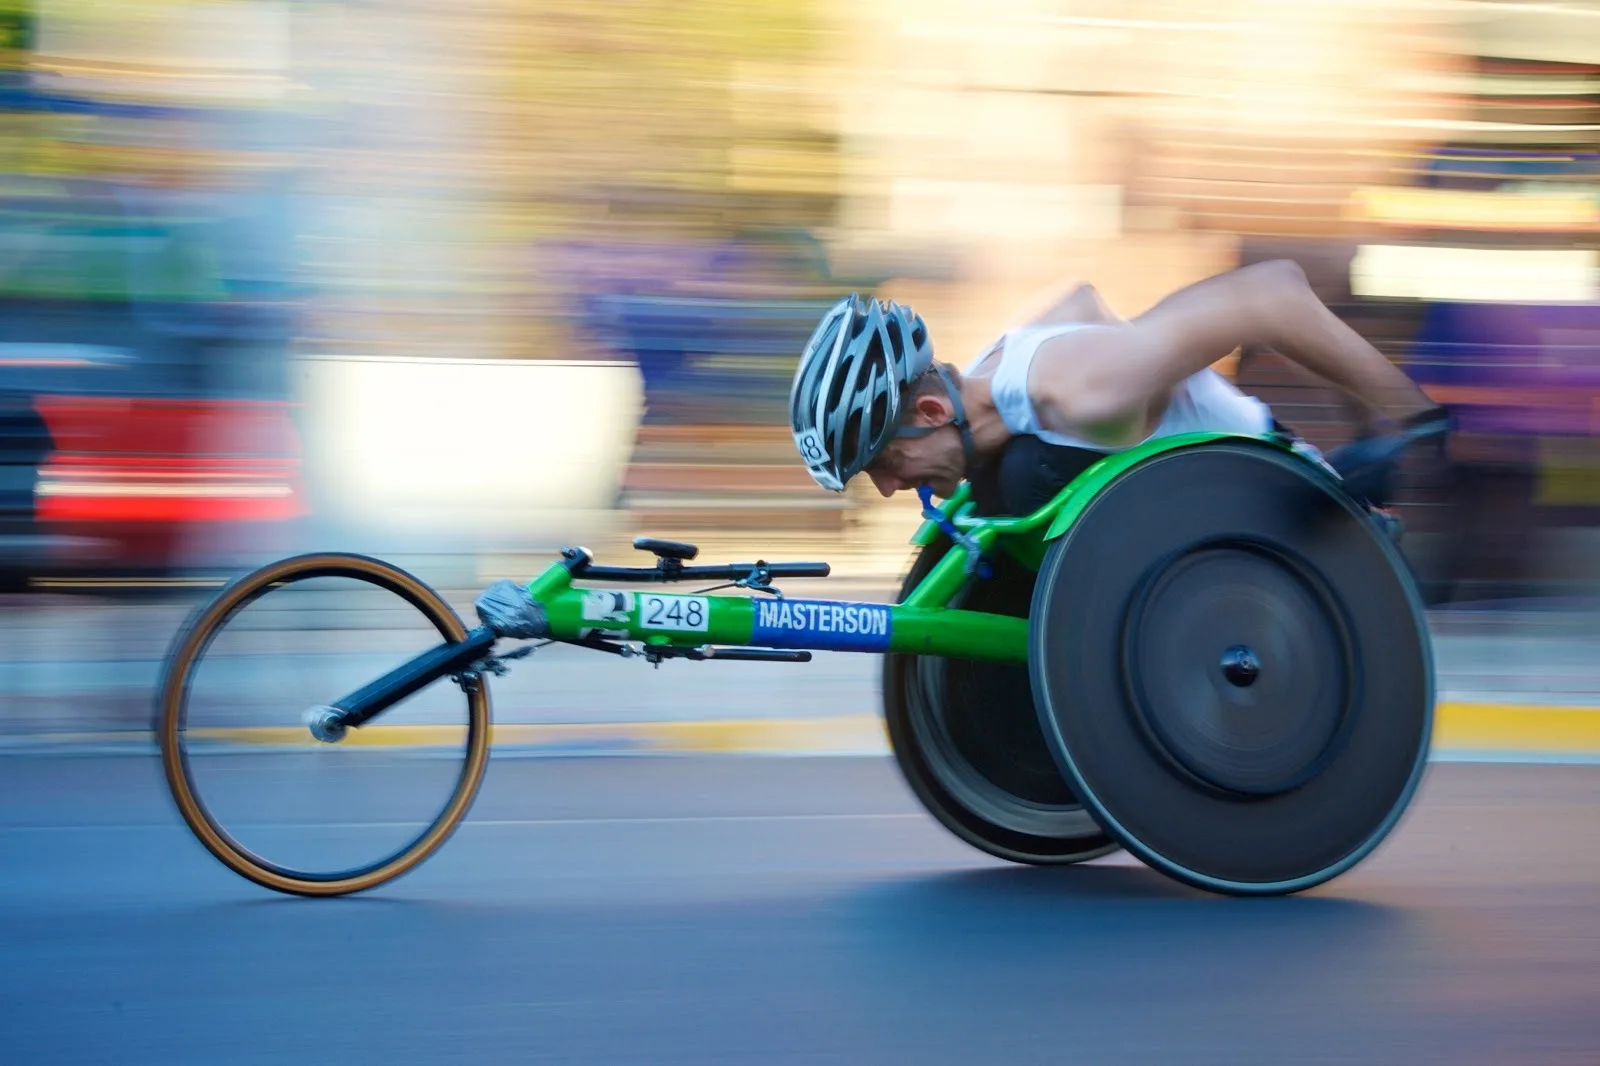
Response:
column 681, row 613
column 811, row 448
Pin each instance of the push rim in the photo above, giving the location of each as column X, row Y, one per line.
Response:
column 976, row 790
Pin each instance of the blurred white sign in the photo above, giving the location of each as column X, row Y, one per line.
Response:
column 499, row 453
column 1494, row 275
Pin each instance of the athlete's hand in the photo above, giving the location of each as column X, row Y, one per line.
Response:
column 1368, row 465
column 1436, row 421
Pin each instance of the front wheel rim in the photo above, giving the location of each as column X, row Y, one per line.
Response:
column 188, row 652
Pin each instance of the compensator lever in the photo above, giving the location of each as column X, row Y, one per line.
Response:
column 670, row 556
column 666, row 549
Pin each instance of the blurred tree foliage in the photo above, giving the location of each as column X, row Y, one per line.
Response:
column 478, row 132
column 439, row 141
column 696, row 115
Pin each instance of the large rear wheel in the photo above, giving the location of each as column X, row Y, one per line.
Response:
column 1233, row 669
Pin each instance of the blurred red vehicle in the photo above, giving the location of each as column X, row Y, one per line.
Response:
column 146, row 430
column 138, row 486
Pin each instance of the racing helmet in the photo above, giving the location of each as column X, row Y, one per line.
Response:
column 844, row 405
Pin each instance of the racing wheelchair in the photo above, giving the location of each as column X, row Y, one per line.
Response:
column 1206, row 650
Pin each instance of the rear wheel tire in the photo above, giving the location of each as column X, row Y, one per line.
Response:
column 1234, row 669
column 967, row 739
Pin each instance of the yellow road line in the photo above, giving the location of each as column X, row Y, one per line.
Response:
column 839, row 733
column 1516, row 727
column 1507, row 728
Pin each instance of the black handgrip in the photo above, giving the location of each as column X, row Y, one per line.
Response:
column 1369, row 467
column 798, row 569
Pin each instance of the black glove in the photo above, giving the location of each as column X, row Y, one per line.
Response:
column 1368, row 465
column 1435, row 421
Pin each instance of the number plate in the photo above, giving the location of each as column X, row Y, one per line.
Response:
column 687, row 614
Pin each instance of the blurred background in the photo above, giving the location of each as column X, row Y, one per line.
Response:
column 459, row 283
column 456, row 283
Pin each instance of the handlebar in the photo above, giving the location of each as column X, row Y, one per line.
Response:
column 672, row 570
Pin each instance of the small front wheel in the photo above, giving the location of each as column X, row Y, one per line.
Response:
column 291, row 805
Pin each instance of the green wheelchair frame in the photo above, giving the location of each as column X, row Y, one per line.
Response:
column 921, row 624
column 754, row 623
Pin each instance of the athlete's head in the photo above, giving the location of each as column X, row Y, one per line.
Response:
column 868, row 396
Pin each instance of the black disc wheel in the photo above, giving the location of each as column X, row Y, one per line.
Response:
column 966, row 737
column 243, row 681
column 1233, row 669
column 1259, row 717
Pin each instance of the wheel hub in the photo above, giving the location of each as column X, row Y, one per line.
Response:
column 1240, row 666
column 1236, row 668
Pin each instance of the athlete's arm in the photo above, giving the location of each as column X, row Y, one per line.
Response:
column 1102, row 383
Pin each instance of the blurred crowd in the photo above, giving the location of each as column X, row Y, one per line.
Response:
column 232, row 231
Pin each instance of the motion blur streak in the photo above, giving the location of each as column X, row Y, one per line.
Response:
column 457, row 283
column 322, row 227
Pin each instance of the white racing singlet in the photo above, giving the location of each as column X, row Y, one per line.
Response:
column 1202, row 402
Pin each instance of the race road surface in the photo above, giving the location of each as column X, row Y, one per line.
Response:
column 744, row 910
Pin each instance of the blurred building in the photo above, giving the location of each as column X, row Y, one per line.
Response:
column 1432, row 166
column 1474, row 264
column 495, row 277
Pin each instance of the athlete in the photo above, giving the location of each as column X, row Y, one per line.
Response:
column 1050, row 398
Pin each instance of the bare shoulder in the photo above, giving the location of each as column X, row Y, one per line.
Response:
column 1069, row 378
column 1077, row 357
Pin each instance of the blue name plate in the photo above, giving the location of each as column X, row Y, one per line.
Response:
column 824, row 624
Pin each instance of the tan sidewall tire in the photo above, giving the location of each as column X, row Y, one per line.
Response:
column 172, row 694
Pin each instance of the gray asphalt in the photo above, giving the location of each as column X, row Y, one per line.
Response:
column 721, row 910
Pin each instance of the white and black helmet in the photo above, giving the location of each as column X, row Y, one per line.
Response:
column 844, row 405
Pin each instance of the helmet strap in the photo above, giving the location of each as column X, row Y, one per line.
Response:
column 959, row 420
